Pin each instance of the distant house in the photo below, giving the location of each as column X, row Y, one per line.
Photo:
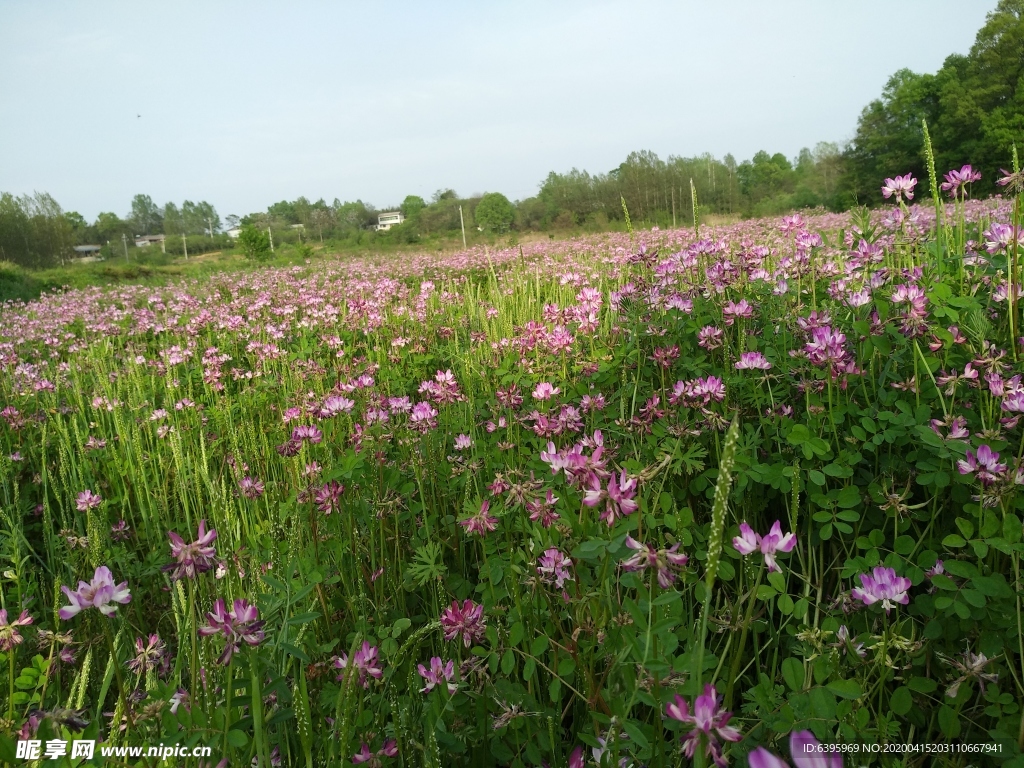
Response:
column 234, row 232
column 144, row 241
column 85, row 254
column 386, row 221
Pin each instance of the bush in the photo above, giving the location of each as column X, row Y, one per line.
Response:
column 255, row 244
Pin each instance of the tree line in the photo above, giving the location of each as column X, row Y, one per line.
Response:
column 974, row 107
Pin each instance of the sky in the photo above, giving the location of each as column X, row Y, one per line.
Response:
column 243, row 104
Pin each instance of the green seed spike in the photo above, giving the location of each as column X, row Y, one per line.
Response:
column 940, row 222
column 722, row 488
column 696, row 210
column 625, row 212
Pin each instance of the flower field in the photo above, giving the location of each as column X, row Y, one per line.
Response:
column 697, row 496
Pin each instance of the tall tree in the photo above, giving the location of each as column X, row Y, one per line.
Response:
column 146, row 217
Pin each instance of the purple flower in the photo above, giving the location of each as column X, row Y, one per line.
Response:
column 9, row 635
column 957, row 180
column 101, row 593
column 753, row 360
column 553, row 567
column 986, row 463
column 621, row 493
column 364, row 755
column 709, row 720
column 883, row 585
column 87, row 500
column 805, row 751
column 900, row 186
column 251, row 488
column 439, row 672
column 999, row 236
column 328, row 496
column 307, row 433
column 366, row 660
column 195, row 558
column 240, row 624
column 774, row 541
column 664, row 561
column 482, row 522
column 545, row 391
column 334, row 405
column 148, row 654
column 462, row 442
column 468, row 621
column 737, row 309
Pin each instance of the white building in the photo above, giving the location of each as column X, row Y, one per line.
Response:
column 144, row 241
column 234, row 232
column 386, row 221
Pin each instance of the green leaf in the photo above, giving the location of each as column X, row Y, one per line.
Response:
column 949, row 723
column 539, row 645
column 953, row 541
column 816, row 477
column 823, row 703
column 516, row 633
column 922, row 684
column 237, row 739
column 508, row 662
column 901, row 700
column 793, row 673
column 849, row 497
column 635, row 734
column 846, row 689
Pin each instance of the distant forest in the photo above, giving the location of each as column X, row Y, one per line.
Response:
column 974, row 107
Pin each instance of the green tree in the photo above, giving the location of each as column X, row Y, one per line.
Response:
column 145, row 218
column 255, row 243
column 495, row 213
column 412, row 205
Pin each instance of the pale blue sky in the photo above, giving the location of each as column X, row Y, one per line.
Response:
column 247, row 103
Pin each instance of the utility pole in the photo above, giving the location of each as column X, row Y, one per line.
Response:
column 184, row 245
column 462, row 223
column 673, row 206
column 124, row 242
column 271, row 233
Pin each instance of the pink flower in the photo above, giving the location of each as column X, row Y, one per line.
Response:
column 553, row 567
column 543, row 511
column 9, row 635
column 195, row 558
column 709, row 720
column 366, row 661
column 307, row 433
column 774, row 541
column 364, row 755
column 468, row 621
column 664, row 561
column 462, row 442
column 251, row 487
column 900, row 186
column 986, row 463
column 101, row 593
column 240, row 624
column 439, row 672
column 545, row 391
column 335, row 405
column 805, row 751
column 753, row 360
column 328, row 496
column 739, row 309
column 620, row 495
column 883, row 585
column 87, row 500
column 482, row 522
